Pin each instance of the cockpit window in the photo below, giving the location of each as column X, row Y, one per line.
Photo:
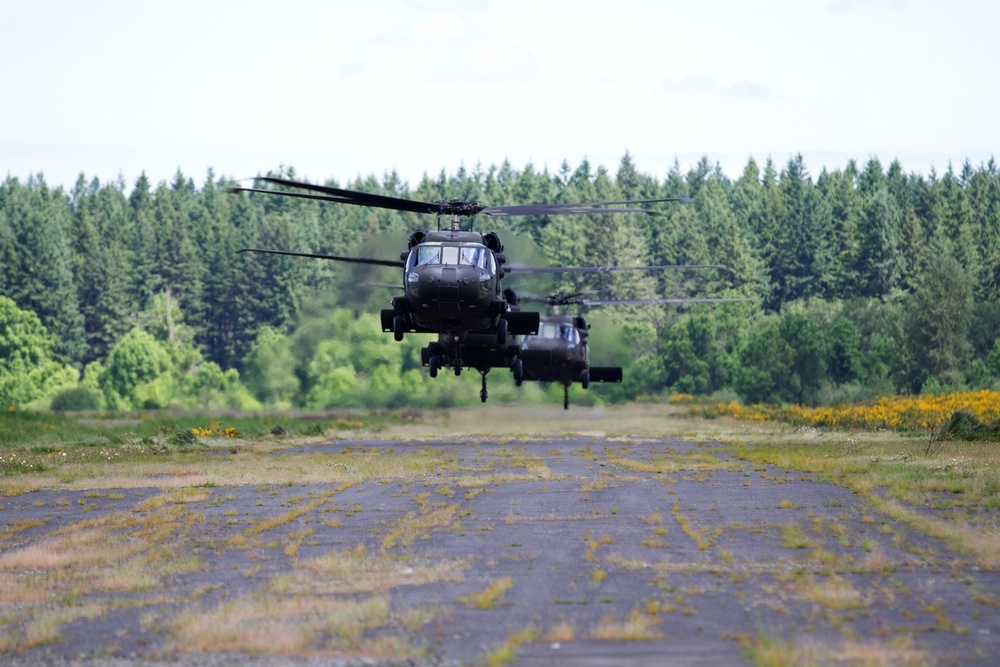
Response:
column 565, row 332
column 468, row 255
column 428, row 254
column 475, row 256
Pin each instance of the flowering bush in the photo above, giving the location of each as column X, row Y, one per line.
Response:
column 899, row 413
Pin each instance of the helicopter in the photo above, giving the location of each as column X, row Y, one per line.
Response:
column 559, row 352
column 451, row 277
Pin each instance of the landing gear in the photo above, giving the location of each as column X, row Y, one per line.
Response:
column 502, row 331
column 585, row 379
column 518, row 372
column 398, row 327
column 457, row 364
column 432, row 366
column 565, row 397
column 482, row 392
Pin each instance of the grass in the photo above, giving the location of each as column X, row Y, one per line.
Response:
column 770, row 652
column 38, row 430
column 891, row 474
column 280, row 625
column 489, row 597
column 639, row 625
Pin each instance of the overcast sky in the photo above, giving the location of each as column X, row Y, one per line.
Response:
column 341, row 89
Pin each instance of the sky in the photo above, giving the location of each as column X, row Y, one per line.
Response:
column 341, row 89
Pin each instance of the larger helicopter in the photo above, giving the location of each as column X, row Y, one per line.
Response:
column 451, row 278
column 560, row 351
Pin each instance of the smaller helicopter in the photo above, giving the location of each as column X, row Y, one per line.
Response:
column 560, row 351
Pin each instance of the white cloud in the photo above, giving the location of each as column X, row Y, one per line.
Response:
column 481, row 65
column 704, row 85
column 441, row 26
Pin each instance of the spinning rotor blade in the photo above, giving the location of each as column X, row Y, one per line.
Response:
column 518, row 268
column 452, row 207
column 342, row 196
column 584, row 208
column 641, row 302
column 354, row 260
column 575, row 300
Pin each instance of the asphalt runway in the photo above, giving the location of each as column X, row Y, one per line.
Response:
column 585, row 550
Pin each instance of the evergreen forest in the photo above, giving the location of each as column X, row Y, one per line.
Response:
column 858, row 283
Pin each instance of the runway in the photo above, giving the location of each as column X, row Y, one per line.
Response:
column 585, row 550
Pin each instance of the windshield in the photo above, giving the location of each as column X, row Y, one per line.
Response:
column 564, row 332
column 469, row 255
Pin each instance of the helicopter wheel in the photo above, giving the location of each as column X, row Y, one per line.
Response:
column 518, row 372
column 432, row 366
column 458, row 367
column 482, row 392
column 585, row 379
column 502, row 331
column 398, row 327
column 565, row 397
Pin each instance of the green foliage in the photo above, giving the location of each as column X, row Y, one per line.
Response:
column 37, row 263
column 844, row 360
column 808, row 364
column 77, row 398
column 27, row 372
column 765, row 365
column 137, row 370
column 939, row 312
column 24, row 342
column 964, row 425
column 993, row 359
column 270, row 368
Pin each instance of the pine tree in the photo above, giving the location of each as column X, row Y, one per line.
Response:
column 727, row 246
column 144, row 281
column 175, row 258
column 879, row 263
column 220, row 288
column 840, row 191
column 939, row 314
column 801, row 258
column 39, row 270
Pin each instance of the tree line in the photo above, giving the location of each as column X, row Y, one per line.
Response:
column 861, row 282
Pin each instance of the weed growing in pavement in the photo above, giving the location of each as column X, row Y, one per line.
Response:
column 489, row 597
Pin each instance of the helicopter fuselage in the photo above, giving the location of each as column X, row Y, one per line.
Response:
column 559, row 353
column 451, row 284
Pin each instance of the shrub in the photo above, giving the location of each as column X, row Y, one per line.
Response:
column 77, row 398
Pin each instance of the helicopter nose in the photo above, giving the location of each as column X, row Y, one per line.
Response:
column 448, row 288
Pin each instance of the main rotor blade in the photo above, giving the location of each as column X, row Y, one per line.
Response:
column 575, row 300
column 289, row 193
column 353, row 196
column 639, row 302
column 453, row 207
column 337, row 258
column 519, row 268
column 586, row 208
